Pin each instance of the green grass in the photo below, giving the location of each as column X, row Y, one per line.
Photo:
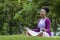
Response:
column 24, row 37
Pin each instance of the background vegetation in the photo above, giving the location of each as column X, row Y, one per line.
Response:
column 15, row 14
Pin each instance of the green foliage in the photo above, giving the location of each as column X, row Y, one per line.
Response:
column 14, row 13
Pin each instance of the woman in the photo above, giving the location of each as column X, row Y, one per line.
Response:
column 43, row 25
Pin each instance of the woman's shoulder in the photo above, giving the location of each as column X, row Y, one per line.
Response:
column 38, row 19
column 47, row 19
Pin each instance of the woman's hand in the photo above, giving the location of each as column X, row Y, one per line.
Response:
column 44, row 30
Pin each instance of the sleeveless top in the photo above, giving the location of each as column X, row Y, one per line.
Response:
column 41, row 24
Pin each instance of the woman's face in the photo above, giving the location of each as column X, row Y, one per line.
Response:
column 42, row 13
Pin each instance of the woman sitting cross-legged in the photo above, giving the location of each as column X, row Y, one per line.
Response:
column 43, row 25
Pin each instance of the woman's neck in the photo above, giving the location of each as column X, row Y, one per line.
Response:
column 44, row 17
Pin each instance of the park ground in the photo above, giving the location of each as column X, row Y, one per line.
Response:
column 24, row 37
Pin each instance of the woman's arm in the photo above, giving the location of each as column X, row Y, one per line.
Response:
column 48, row 23
column 37, row 29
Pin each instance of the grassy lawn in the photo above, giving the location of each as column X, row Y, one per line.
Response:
column 24, row 37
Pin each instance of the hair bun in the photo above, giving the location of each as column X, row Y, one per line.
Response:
column 46, row 8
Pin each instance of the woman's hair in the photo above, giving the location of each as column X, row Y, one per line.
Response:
column 45, row 8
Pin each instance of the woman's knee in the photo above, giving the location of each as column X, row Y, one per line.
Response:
column 27, row 33
column 41, row 34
